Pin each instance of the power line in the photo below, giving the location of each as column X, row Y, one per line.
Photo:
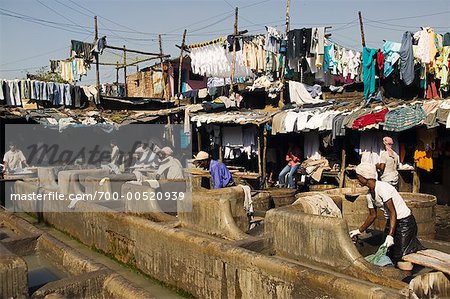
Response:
column 46, row 24
column 396, row 25
column 59, row 14
column 414, row 17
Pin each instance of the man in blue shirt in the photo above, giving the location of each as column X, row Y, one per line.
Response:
column 220, row 174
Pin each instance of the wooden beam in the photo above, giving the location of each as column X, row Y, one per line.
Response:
column 361, row 25
column 283, row 66
column 233, row 62
column 264, row 158
column 133, row 51
column 342, row 174
column 139, row 61
column 180, row 66
column 162, row 67
column 97, row 66
column 125, row 69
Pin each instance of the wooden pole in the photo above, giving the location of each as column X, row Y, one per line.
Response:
column 199, row 140
column 133, row 51
column 233, row 63
column 117, row 73
column 264, row 158
column 97, row 66
column 361, row 25
column 162, row 67
column 342, row 174
column 283, row 66
column 180, row 66
column 220, row 146
column 125, row 69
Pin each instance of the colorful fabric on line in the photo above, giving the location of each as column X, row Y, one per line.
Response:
column 404, row 118
column 369, row 71
column 370, row 119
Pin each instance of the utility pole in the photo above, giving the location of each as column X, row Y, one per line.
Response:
column 361, row 25
column 180, row 66
column 283, row 67
column 125, row 69
column 97, row 66
column 117, row 73
column 162, row 66
column 233, row 63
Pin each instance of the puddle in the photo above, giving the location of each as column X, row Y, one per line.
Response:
column 40, row 272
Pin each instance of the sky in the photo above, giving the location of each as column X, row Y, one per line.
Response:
column 34, row 31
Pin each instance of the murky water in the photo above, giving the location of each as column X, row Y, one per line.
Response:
column 40, row 272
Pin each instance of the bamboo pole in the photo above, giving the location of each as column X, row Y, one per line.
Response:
column 133, row 51
column 180, row 66
column 125, row 69
column 361, row 25
column 264, row 158
column 283, row 67
column 233, row 63
column 97, row 66
column 162, row 66
column 342, row 174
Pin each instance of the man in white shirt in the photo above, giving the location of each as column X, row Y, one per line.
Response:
column 389, row 163
column 169, row 168
column 14, row 160
column 401, row 227
column 113, row 166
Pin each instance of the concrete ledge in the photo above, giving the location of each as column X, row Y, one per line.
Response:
column 13, row 275
column 206, row 267
column 323, row 241
column 218, row 212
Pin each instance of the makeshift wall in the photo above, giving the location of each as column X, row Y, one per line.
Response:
column 189, row 82
column 144, row 84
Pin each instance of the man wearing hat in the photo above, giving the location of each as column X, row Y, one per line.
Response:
column 220, row 174
column 401, row 227
column 169, row 168
column 14, row 160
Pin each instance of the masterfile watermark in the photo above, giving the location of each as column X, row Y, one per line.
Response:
column 132, row 168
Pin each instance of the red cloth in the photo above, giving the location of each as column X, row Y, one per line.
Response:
column 370, row 119
column 432, row 92
column 380, row 60
column 293, row 156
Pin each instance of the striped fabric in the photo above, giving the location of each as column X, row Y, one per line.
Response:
column 404, row 118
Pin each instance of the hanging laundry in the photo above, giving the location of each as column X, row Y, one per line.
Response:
column 82, row 50
column 230, row 40
column 391, row 56
column 380, row 61
column 370, row 119
column 404, row 118
column 423, row 160
column 311, row 146
column 99, row 45
column 407, row 58
column 369, row 71
column 213, row 60
column 300, row 95
column 426, row 49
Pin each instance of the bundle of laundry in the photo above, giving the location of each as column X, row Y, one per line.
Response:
column 315, row 168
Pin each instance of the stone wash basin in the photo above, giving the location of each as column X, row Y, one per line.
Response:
column 209, row 254
column 34, row 264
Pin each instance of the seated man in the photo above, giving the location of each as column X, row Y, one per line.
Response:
column 220, row 174
column 146, row 156
column 14, row 160
column 169, row 167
